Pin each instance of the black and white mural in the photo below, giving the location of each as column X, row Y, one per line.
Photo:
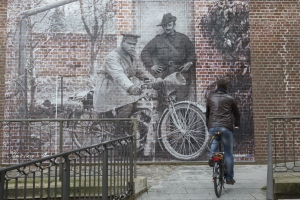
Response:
column 84, row 60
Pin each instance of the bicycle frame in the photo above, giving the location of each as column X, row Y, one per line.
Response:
column 174, row 115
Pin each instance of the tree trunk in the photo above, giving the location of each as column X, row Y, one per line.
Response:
column 22, row 73
column 93, row 58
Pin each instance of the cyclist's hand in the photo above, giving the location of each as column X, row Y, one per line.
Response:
column 186, row 67
column 157, row 68
column 158, row 83
column 133, row 90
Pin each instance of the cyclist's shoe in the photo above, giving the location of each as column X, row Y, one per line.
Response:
column 231, row 182
column 210, row 162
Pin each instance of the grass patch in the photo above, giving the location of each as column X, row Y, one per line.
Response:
column 264, row 188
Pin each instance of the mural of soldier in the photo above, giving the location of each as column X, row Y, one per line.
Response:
column 170, row 52
column 120, row 79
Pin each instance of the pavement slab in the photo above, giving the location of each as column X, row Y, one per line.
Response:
column 194, row 182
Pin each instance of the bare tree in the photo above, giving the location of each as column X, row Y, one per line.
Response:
column 34, row 44
column 20, row 41
column 24, row 17
column 96, row 16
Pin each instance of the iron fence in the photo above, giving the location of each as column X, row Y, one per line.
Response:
column 285, row 133
column 25, row 140
column 101, row 171
column 283, row 147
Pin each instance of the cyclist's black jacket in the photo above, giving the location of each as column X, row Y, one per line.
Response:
column 221, row 110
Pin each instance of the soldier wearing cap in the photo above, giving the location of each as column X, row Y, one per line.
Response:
column 116, row 88
column 170, row 52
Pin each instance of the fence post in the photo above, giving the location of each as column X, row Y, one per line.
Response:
column 131, row 165
column 61, row 136
column 270, row 189
column 134, row 145
column 65, row 186
column 2, row 180
column 60, row 146
column 105, row 174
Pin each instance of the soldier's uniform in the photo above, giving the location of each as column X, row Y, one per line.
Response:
column 171, row 57
column 118, row 73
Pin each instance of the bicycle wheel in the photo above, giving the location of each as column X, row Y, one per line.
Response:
column 86, row 132
column 183, row 130
column 218, row 178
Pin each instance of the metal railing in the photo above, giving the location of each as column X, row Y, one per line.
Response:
column 283, row 147
column 102, row 171
column 29, row 139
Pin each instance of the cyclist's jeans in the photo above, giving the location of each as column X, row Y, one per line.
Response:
column 227, row 140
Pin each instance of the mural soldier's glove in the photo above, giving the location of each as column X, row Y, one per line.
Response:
column 157, row 68
column 133, row 90
column 186, row 67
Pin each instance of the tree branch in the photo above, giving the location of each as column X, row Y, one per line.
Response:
column 86, row 27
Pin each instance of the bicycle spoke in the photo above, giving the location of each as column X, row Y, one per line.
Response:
column 197, row 138
column 172, row 132
column 184, row 119
column 181, row 143
column 174, row 141
column 179, row 116
column 192, row 147
column 194, row 119
column 183, row 147
column 189, row 126
column 197, row 130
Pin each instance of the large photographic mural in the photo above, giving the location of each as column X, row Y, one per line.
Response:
column 155, row 61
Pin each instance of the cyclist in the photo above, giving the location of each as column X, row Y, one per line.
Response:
column 222, row 115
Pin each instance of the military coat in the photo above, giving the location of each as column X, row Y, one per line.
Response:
column 118, row 72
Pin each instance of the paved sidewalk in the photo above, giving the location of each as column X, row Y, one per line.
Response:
column 185, row 182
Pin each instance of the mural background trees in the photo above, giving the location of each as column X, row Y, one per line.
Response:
column 30, row 34
column 21, row 43
column 97, row 17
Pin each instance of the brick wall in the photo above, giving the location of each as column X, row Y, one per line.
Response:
column 3, row 14
column 275, row 57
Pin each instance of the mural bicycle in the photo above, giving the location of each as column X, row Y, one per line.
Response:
column 180, row 129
